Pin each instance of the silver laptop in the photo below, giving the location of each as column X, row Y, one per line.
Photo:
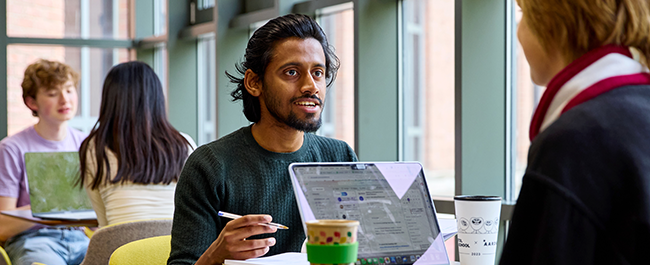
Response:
column 391, row 200
column 51, row 178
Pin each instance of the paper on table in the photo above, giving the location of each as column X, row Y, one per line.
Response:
column 289, row 258
column 448, row 227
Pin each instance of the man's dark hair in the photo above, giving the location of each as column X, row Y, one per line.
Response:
column 260, row 50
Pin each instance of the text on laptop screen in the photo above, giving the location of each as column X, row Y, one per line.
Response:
column 390, row 200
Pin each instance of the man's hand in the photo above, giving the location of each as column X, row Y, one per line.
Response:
column 232, row 243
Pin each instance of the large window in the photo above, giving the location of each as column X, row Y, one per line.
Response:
column 207, row 88
column 428, row 90
column 415, row 37
column 338, row 114
column 68, row 19
column 95, row 19
column 160, row 49
column 204, row 4
column 89, row 88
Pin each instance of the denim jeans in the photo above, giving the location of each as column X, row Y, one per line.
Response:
column 51, row 246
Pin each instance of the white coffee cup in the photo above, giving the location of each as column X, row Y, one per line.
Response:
column 478, row 219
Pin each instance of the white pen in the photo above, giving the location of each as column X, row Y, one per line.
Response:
column 235, row 216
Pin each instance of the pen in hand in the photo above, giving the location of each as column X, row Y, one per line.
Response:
column 235, row 216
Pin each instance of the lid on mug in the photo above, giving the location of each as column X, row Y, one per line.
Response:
column 477, row 198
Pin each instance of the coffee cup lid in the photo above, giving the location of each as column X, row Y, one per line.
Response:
column 477, row 198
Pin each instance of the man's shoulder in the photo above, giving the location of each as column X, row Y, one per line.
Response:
column 221, row 149
column 333, row 149
column 325, row 141
column 228, row 143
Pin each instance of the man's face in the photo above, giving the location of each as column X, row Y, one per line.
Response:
column 294, row 84
column 57, row 104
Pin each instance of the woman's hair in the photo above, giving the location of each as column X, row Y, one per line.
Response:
column 578, row 26
column 46, row 74
column 133, row 125
column 260, row 50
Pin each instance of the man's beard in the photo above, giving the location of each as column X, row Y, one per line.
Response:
column 292, row 120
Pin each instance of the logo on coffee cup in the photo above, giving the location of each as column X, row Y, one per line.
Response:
column 462, row 244
column 489, row 224
column 478, row 225
column 463, row 224
column 489, row 243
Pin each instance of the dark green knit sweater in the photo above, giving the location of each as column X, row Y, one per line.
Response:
column 236, row 175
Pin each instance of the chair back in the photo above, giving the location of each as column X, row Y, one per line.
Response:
column 4, row 258
column 148, row 251
column 107, row 239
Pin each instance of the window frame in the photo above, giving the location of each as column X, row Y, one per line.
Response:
column 328, row 116
column 85, row 121
column 206, row 125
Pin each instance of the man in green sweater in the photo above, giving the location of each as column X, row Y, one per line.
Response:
column 287, row 68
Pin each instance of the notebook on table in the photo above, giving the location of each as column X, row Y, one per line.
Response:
column 391, row 201
column 52, row 178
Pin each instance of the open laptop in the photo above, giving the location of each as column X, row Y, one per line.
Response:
column 391, row 200
column 51, row 178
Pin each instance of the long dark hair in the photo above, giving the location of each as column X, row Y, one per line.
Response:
column 133, row 125
column 260, row 50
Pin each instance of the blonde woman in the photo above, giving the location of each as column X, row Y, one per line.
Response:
column 585, row 198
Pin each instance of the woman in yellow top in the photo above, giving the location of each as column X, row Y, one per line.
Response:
column 585, row 197
column 132, row 158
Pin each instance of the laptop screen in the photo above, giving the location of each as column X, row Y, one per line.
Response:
column 51, row 178
column 391, row 201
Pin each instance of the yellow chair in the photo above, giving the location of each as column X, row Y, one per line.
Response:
column 148, row 251
column 4, row 258
column 107, row 239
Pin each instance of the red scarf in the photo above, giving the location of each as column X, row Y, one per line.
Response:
column 598, row 71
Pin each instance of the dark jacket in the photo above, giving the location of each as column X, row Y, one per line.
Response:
column 585, row 197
